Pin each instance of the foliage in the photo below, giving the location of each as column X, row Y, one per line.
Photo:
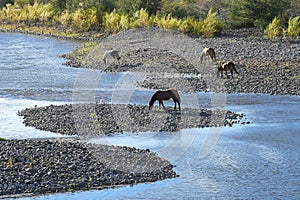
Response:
column 179, row 9
column 274, row 29
column 130, row 7
column 30, row 13
column 211, row 24
column 168, row 22
column 4, row 2
column 85, row 19
column 140, row 19
column 257, row 13
column 294, row 27
column 111, row 16
column 112, row 22
column 207, row 27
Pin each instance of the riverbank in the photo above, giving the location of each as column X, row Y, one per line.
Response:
column 50, row 31
column 166, row 57
column 34, row 167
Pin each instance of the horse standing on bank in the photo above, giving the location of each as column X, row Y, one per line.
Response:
column 163, row 95
column 110, row 53
column 208, row 52
column 228, row 66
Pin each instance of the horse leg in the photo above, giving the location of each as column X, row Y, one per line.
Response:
column 227, row 74
column 178, row 105
column 162, row 103
column 174, row 103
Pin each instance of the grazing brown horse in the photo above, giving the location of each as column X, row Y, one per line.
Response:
column 228, row 66
column 208, row 52
column 165, row 95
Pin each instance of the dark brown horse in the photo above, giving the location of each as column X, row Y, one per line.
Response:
column 160, row 96
column 228, row 66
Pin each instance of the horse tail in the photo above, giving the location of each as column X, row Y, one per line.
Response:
column 234, row 68
column 213, row 56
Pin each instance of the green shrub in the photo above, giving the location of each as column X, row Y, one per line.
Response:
column 140, row 19
column 65, row 18
column 168, row 22
column 274, row 29
column 85, row 19
column 125, row 22
column 10, row 13
column 188, row 25
column 111, row 22
column 210, row 25
column 259, row 13
column 294, row 27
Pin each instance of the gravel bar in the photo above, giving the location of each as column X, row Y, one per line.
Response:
column 90, row 120
column 32, row 167
column 169, row 59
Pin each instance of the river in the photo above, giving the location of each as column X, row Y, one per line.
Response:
column 252, row 161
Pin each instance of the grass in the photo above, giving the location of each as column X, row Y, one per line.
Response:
column 80, row 54
column 296, row 77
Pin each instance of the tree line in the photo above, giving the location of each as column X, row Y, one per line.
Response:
column 188, row 16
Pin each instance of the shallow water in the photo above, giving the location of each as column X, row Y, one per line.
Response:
column 256, row 160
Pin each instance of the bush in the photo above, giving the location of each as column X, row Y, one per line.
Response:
column 111, row 22
column 28, row 13
column 65, row 18
column 274, row 29
column 294, row 27
column 188, row 25
column 168, row 22
column 211, row 25
column 140, row 19
column 244, row 13
column 85, row 19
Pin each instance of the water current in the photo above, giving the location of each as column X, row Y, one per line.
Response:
column 259, row 160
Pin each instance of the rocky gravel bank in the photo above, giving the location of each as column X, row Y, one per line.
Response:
column 89, row 120
column 31, row 167
column 170, row 59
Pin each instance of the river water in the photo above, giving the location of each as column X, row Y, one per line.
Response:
column 251, row 161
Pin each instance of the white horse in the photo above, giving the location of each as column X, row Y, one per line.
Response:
column 111, row 53
column 208, row 52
